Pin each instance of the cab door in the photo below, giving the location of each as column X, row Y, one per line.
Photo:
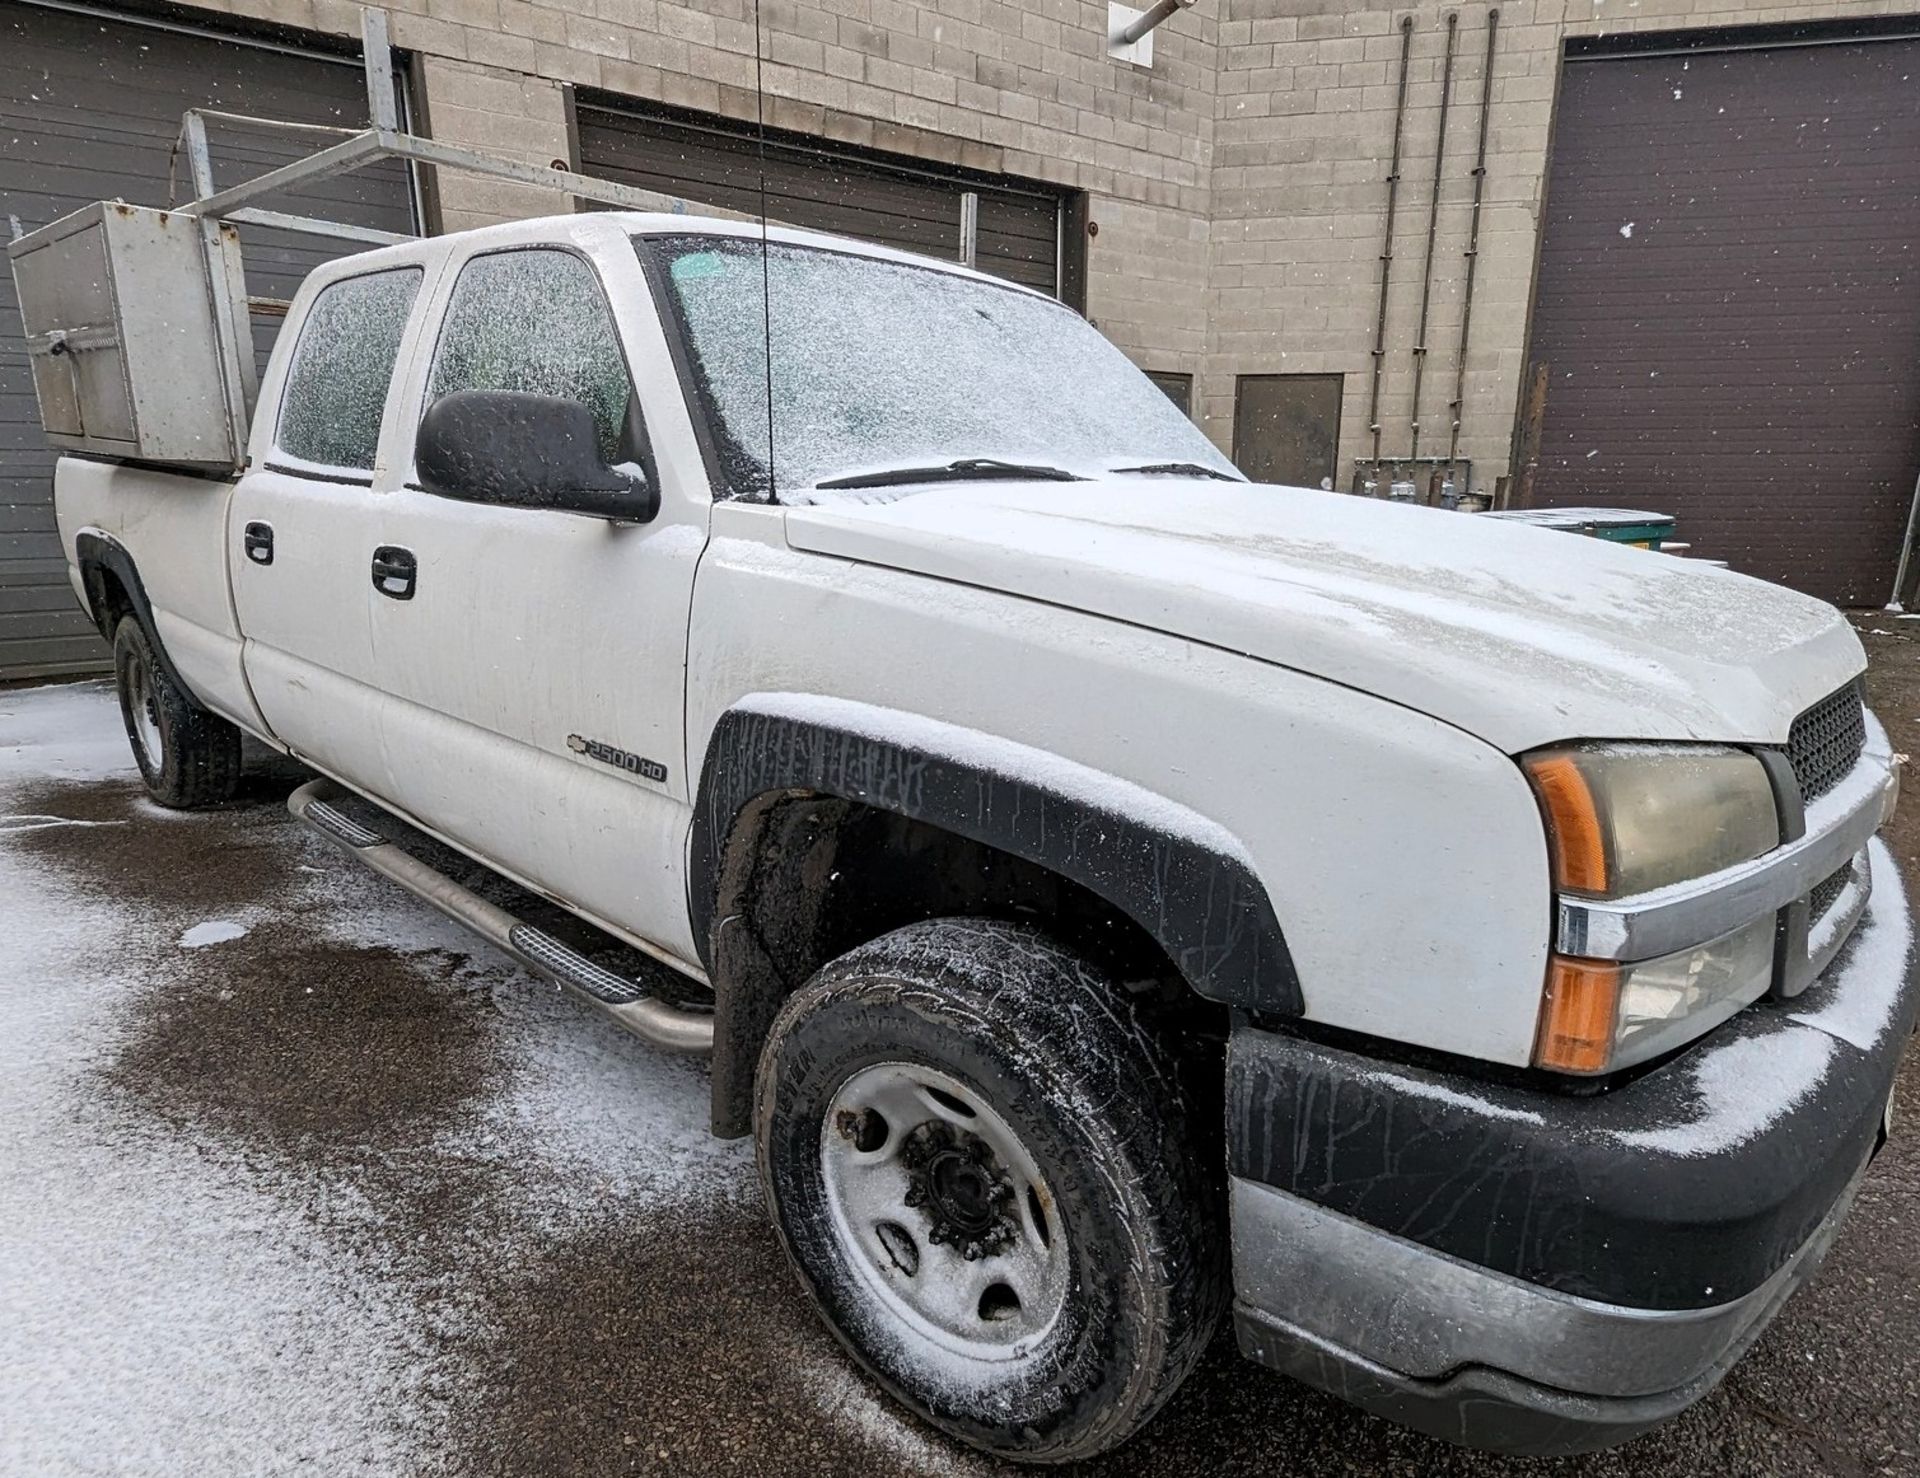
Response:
column 300, row 520
column 534, row 661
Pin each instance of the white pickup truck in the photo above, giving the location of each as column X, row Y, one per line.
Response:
column 1108, row 889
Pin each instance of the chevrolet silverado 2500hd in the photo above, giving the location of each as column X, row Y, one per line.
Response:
column 1112, row 892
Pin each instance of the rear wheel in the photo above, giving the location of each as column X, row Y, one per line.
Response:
column 188, row 756
column 982, row 1167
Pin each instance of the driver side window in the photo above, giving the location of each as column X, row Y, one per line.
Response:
column 537, row 321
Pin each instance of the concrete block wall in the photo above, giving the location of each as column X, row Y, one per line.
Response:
column 1238, row 186
column 1305, row 106
column 1020, row 86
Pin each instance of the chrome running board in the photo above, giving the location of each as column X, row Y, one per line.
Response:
column 670, row 1028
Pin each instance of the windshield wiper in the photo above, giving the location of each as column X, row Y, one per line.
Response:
column 1183, row 469
column 962, row 469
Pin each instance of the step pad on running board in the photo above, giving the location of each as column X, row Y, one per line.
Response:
column 342, row 827
column 573, row 967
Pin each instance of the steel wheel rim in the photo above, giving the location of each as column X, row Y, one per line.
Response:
column 143, row 710
column 942, row 1214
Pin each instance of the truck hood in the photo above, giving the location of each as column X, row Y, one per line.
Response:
column 1522, row 636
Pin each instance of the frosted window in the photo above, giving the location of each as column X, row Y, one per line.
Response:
column 342, row 366
column 536, row 321
column 880, row 364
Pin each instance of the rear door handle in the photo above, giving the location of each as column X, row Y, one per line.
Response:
column 258, row 542
column 394, row 571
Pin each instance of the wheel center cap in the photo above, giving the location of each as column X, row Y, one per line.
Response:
column 961, row 1190
column 956, row 1179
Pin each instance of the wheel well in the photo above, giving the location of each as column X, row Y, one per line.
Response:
column 805, row 877
column 108, row 598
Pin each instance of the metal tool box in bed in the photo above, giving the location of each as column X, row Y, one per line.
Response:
column 137, row 319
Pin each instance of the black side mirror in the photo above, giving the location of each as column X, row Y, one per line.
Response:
column 513, row 449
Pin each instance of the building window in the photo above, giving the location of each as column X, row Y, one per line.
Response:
column 1178, row 388
column 1286, row 428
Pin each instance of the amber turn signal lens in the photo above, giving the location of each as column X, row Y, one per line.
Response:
column 1573, row 823
column 1578, row 1015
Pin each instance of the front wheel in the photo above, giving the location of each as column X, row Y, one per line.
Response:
column 983, row 1169
column 188, row 756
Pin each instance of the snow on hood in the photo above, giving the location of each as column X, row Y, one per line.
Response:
column 1520, row 635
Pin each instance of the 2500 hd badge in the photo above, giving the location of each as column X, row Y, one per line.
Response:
column 634, row 764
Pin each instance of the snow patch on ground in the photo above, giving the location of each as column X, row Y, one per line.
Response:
column 170, row 1302
column 65, row 731
column 843, row 1395
column 214, row 931
column 159, row 1315
column 27, row 821
column 588, row 1111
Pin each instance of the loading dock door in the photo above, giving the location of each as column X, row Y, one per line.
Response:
column 823, row 186
column 89, row 109
column 1728, row 303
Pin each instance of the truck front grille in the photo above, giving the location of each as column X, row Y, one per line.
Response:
column 1827, row 893
column 1825, row 741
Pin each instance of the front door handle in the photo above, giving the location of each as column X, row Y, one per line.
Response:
column 258, row 542
column 394, row 571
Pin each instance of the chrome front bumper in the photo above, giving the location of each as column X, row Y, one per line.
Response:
column 1473, row 1356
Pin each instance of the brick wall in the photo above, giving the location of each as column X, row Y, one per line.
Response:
column 1239, row 185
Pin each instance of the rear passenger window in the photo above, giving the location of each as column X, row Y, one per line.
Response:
column 536, row 321
column 342, row 367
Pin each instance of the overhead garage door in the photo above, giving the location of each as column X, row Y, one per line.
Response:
column 1728, row 303
column 827, row 187
column 89, row 109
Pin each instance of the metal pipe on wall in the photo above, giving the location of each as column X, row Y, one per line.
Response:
column 1386, row 246
column 1473, row 237
column 1433, row 227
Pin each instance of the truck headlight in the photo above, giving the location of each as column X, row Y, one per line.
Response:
column 1601, row 1015
column 1629, row 818
column 1625, row 819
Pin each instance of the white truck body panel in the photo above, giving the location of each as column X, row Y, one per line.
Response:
column 1511, row 633
column 455, row 706
column 176, row 526
column 1291, row 766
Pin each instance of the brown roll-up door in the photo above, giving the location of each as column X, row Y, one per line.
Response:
column 1728, row 303
column 89, row 109
column 828, row 187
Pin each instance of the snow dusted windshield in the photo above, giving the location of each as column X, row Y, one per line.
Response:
column 881, row 365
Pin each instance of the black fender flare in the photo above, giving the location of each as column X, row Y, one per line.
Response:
column 1181, row 877
column 99, row 555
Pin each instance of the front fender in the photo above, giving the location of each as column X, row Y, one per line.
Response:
column 1181, row 876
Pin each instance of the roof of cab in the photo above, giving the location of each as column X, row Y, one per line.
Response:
column 584, row 227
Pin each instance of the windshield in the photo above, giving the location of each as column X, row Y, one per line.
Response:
column 881, row 365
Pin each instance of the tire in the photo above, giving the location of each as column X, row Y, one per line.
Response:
column 188, row 757
column 1052, row 1168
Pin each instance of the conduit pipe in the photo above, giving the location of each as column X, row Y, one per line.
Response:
column 1433, row 228
column 1473, row 238
column 1386, row 246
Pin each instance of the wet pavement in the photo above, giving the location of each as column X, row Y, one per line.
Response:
column 302, row 1177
